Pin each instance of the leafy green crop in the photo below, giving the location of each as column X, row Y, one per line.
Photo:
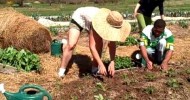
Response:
column 20, row 59
column 149, row 90
column 150, row 77
column 183, row 23
column 128, row 42
column 123, row 62
column 53, row 30
column 173, row 83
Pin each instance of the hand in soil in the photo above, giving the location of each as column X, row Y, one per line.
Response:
column 164, row 66
column 111, row 69
column 149, row 65
column 102, row 70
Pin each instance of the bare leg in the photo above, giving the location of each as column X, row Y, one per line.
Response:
column 72, row 40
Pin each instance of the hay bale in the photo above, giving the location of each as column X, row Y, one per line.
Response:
column 23, row 32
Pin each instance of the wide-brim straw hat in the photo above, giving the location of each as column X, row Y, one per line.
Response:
column 110, row 25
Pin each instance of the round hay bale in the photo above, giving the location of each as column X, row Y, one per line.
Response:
column 22, row 32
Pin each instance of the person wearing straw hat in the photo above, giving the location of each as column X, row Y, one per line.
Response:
column 156, row 45
column 143, row 11
column 101, row 24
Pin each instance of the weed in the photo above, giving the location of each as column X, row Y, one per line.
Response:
column 149, row 90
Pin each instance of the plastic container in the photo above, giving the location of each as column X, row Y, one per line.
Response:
column 56, row 48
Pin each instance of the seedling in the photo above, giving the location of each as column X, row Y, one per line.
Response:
column 150, row 77
column 149, row 90
column 171, row 73
column 100, row 86
column 53, row 30
column 127, row 80
column 173, row 83
column 74, row 98
column 99, row 97
column 183, row 23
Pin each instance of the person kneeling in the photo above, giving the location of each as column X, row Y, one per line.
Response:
column 156, row 45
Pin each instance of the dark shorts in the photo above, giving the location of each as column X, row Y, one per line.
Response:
column 75, row 25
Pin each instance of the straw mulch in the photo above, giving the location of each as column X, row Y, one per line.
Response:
column 22, row 32
column 47, row 78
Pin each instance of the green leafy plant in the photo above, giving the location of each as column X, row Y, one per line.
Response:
column 123, row 62
column 183, row 23
column 171, row 73
column 20, row 59
column 35, row 16
column 149, row 90
column 150, row 77
column 54, row 30
column 127, row 80
column 134, row 27
column 130, row 41
column 74, row 98
column 173, row 83
column 99, row 97
column 99, row 86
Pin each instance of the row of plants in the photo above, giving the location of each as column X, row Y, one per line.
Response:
column 22, row 60
column 134, row 28
column 126, row 15
column 172, row 83
column 177, row 13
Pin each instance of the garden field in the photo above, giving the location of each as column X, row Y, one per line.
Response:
column 131, row 83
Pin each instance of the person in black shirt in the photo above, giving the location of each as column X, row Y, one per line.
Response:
column 144, row 9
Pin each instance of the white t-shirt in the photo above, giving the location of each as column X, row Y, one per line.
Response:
column 83, row 16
